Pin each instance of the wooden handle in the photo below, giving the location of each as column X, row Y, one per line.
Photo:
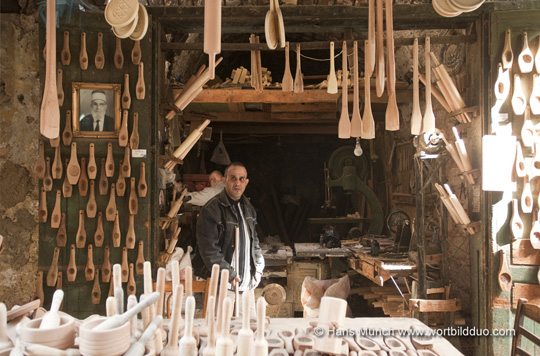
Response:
column 83, row 179
column 109, row 163
column 47, row 180
column 139, row 263
column 52, row 274
column 223, row 284
column 136, row 52
column 126, row 97
column 130, row 236
column 261, row 317
column 379, row 82
column 96, row 289
column 72, row 267
column 66, row 53
column 118, row 55
column 116, row 235
column 147, row 278
column 92, row 166
column 80, row 238
column 126, row 165
column 390, row 49
column 344, row 124
column 237, row 268
column 212, row 32
column 91, row 207
column 56, row 216
column 332, row 80
column 160, row 287
column 134, row 139
column 99, row 60
column 356, row 120
column 106, row 267
column 83, row 56
column 176, row 317
column 370, row 65
column 110, row 211
column 416, row 116
column 61, row 236
column 120, row 182
column 123, row 134
column 298, row 78
column 89, row 269
column 368, row 122
column 99, row 235
column 140, row 90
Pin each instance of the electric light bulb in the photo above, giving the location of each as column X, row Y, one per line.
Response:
column 358, row 149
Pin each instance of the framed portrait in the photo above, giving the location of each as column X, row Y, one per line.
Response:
column 96, row 110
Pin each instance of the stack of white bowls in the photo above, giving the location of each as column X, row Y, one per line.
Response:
column 452, row 8
column 112, row 342
column 128, row 18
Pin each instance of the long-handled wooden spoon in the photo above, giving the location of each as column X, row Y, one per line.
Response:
column 287, row 81
column 416, row 116
column 99, row 60
column 118, row 55
column 507, row 54
column 52, row 274
column 356, row 120
column 379, row 78
column 92, row 167
column 83, row 56
column 72, row 267
column 65, row 55
column 429, row 116
column 525, row 58
column 49, row 123
column 99, row 235
column 344, row 124
column 56, row 216
column 299, row 77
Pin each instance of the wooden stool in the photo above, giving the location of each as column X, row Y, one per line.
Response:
column 197, row 287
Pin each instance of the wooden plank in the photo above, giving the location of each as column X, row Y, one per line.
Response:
column 283, row 129
column 266, row 117
column 426, row 306
column 368, row 270
column 531, row 292
column 302, row 107
column 524, row 254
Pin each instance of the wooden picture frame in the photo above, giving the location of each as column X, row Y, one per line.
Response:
column 93, row 102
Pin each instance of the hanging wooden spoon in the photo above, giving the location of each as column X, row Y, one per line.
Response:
column 61, row 236
column 89, row 268
column 126, row 165
column 140, row 89
column 72, row 267
column 379, row 78
column 96, row 289
column 520, row 163
column 106, row 266
column 392, row 111
column 103, row 182
column 270, row 30
column 134, row 139
column 39, row 168
column 429, row 116
column 91, row 207
column 47, row 180
column 517, row 226
column 73, row 170
column 52, row 274
column 83, row 179
column 299, row 78
column 356, row 120
column 99, row 60
column 133, row 201
column 504, row 276
column 59, row 87
column 534, row 101
column 92, row 166
column 67, row 134
column 83, row 56
column 109, row 163
column 118, row 55
column 49, row 123
column 344, row 124
column 131, row 286
column 110, row 211
column 99, row 235
column 136, row 52
column 139, row 263
column 43, row 206
column 123, row 136
column 130, row 236
column 57, row 168
column 519, row 102
column 507, row 54
column 120, row 183
column 65, row 55
column 527, row 130
column 525, row 58
column 371, row 38
column 416, row 116
column 67, row 188
column 124, row 265
column 126, row 97
column 526, row 196
column 80, row 238
column 502, row 84
column 287, row 81
column 116, row 234
column 332, row 80
column 368, row 123
column 56, row 216
column 142, row 186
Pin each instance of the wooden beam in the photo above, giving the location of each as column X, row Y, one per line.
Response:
column 265, row 117
column 304, row 107
column 277, row 129
column 426, row 306
column 280, row 97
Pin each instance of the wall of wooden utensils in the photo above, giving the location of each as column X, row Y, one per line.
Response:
column 94, row 206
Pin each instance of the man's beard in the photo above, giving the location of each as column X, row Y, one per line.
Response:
column 98, row 116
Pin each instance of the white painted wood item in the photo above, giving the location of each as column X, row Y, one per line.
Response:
column 138, row 348
column 534, row 101
column 516, row 224
column 245, row 335
column 224, row 343
column 507, row 54
column 260, row 344
column 51, row 319
column 519, row 101
column 525, row 58
column 223, row 284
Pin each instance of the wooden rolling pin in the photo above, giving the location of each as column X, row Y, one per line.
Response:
column 188, row 143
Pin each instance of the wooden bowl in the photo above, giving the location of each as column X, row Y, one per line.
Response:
column 113, row 342
column 126, row 30
column 62, row 337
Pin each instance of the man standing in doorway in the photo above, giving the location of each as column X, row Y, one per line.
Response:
column 97, row 120
column 216, row 234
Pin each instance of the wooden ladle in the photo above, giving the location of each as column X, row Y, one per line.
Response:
column 72, row 267
column 103, row 182
column 142, row 187
column 67, row 134
column 73, row 170
column 83, row 56
column 126, row 165
column 116, row 234
column 96, row 289
column 83, row 179
column 99, row 235
column 47, row 180
column 91, row 206
column 126, row 97
column 80, row 238
column 99, row 60
column 120, row 183
column 106, row 267
column 525, row 58
column 133, row 201
column 270, row 30
column 344, row 124
column 139, row 263
column 56, row 216
column 109, row 163
column 43, row 206
column 57, row 167
column 65, row 55
column 61, row 236
column 130, row 235
column 67, row 188
column 123, row 135
column 52, row 274
column 140, row 89
column 39, row 168
column 131, row 287
column 136, row 52
column 134, row 138
column 416, row 116
column 89, row 268
column 92, row 166
column 110, row 211
column 124, row 265
column 504, row 277
column 507, row 54
column 356, row 120
column 49, row 123
column 118, row 55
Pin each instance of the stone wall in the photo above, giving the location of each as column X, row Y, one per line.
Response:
column 19, row 137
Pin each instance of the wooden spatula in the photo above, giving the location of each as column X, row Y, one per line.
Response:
column 332, row 80
column 379, row 82
column 298, row 79
column 392, row 112
column 416, row 116
column 368, row 123
column 429, row 117
column 287, row 81
column 356, row 120
column 344, row 125
column 371, row 37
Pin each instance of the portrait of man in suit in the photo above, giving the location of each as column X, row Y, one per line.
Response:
column 97, row 120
